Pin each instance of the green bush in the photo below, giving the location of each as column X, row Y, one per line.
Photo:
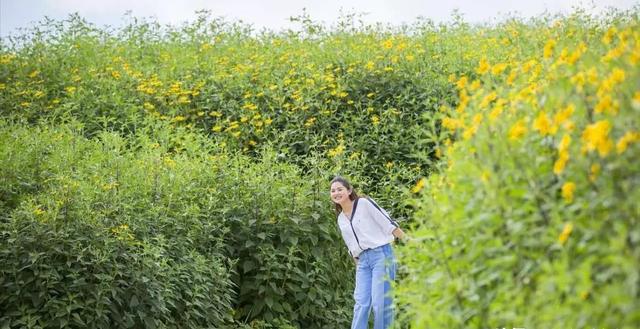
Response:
column 532, row 220
column 109, row 231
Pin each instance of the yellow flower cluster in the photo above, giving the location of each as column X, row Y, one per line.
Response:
column 563, row 155
column 568, row 93
column 566, row 231
column 123, row 233
column 596, row 137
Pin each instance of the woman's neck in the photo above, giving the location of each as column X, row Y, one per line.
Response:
column 347, row 206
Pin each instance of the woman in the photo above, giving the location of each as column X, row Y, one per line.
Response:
column 368, row 232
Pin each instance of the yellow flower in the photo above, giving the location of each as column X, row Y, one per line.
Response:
column 566, row 231
column 635, row 102
column 485, row 176
column 488, row 99
column 607, row 105
column 614, row 53
column 497, row 110
column 110, row 186
column 543, row 125
column 517, row 130
column 498, row 68
column 579, row 80
column 370, row 65
column 560, row 164
column 475, row 85
column 512, row 77
column 6, row 59
column 451, row 124
column 338, row 150
column 564, row 143
column 567, row 191
column 625, row 140
column 596, row 136
column 564, row 53
column 250, row 106
column 563, row 155
column 462, row 82
column 38, row 211
column 477, row 119
column 634, row 57
column 561, row 117
column 469, row 132
column 178, row 118
column 548, row 48
column 608, row 37
column 148, row 106
column 464, row 100
column 617, row 76
column 576, row 54
column 419, row 185
column 375, row 120
column 169, row 162
column 483, row 67
column 310, row 122
column 70, row 89
column 527, row 66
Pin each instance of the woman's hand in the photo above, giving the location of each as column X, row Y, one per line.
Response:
column 399, row 234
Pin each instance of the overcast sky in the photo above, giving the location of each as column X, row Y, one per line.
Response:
column 274, row 14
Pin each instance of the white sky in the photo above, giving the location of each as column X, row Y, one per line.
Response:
column 274, row 14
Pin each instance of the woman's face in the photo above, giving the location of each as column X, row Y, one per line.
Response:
column 339, row 193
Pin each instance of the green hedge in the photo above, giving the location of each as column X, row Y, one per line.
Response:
column 114, row 232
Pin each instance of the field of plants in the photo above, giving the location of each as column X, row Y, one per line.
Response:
column 177, row 176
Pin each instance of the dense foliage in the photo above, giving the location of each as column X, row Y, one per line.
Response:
column 532, row 220
column 159, row 176
column 120, row 232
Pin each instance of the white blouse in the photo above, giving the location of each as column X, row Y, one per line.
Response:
column 370, row 226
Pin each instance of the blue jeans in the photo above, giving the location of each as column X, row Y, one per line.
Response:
column 374, row 273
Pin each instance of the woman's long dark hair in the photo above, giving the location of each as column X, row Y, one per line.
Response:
column 348, row 186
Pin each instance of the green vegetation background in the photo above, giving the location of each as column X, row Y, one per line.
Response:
column 157, row 176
